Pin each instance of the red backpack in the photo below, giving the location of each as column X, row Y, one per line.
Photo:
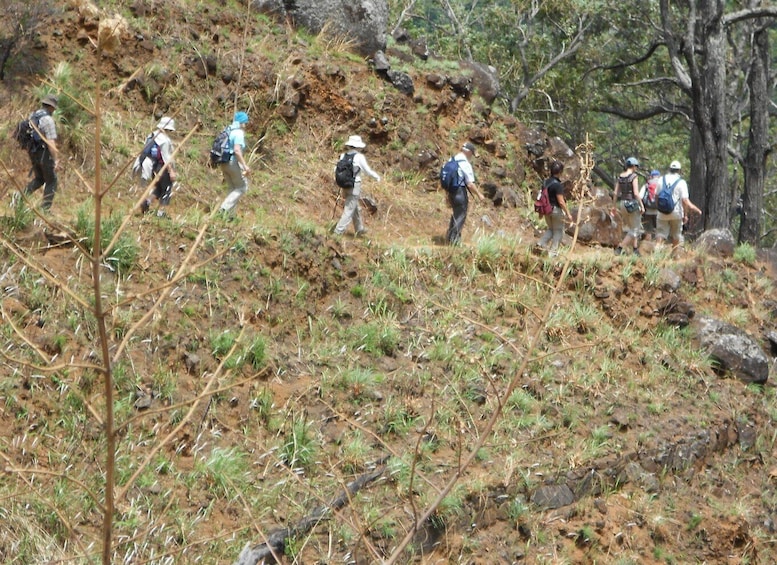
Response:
column 649, row 199
column 542, row 203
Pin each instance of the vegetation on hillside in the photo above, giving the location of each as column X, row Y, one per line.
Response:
column 254, row 369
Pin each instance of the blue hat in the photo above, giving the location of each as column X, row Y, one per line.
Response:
column 241, row 117
column 655, row 173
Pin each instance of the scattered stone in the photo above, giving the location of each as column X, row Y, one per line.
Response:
column 192, row 362
column 553, row 496
column 718, row 242
column 733, row 350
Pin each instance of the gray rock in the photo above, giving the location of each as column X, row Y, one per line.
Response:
column 553, row 496
column 733, row 349
column 718, row 242
column 363, row 21
column 401, row 81
column 485, row 80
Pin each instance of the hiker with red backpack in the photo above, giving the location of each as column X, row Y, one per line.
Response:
column 648, row 194
column 626, row 200
column 559, row 210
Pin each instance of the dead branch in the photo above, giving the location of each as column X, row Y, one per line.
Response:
column 273, row 546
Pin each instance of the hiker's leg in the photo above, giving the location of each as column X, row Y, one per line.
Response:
column 459, row 205
column 236, row 183
column 546, row 237
column 37, row 172
column 557, row 227
column 675, row 232
column 349, row 209
column 50, row 180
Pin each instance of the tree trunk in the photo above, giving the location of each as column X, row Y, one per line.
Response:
column 758, row 137
column 709, row 108
column 697, row 181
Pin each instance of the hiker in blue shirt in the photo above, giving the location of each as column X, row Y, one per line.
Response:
column 459, row 200
column 236, row 169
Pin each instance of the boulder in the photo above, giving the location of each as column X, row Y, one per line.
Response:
column 363, row 21
column 732, row 349
column 718, row 242
column 485, row 80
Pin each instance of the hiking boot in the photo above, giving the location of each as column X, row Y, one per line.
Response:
column 636, row 252
column 618, row 250
column 362, row 232
column 145, row 206
column 161, row 214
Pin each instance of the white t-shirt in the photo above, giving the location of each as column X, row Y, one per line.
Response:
column 466, row 168
column 679, row 194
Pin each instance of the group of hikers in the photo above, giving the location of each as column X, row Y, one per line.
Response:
column 639, row 207
column 658, row 209
column 154, row 168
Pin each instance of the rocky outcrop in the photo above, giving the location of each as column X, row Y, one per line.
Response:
column 718, row 242
column 733, row 350
column 363, row 21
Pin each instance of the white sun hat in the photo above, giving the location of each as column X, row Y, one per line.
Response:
column 355, row 141
column 166, row 123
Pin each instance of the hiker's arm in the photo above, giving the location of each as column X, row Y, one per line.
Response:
column 562, row 203
column 240, row 160
column 473, row 189
column 688, row 205
column 635, row 193
column 54, row 150
column 615, row 195
column 362, row 163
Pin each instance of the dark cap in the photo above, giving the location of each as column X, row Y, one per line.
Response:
column 468, row 147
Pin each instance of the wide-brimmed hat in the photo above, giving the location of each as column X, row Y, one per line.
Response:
column 166, row 123
column 241, row 117
column 355, row 141
column 50, row 100
column 468, row 147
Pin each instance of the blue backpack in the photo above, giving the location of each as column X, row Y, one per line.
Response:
column 665, row 200
column 451, row 176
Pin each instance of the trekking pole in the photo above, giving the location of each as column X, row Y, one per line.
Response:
column 337, row 200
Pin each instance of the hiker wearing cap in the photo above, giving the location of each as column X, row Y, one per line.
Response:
column 670, row 225
column 459, row 199
column 157, row 155
column 351, row 208
column 647, row 194
column 44, row 156
column 236, row 169
column 626, row 200
column 555, row 220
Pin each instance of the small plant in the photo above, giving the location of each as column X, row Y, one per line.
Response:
column 298, row 450
column 745, row 253
column 221, row 343
column 255, row 353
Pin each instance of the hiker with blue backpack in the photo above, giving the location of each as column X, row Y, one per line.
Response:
column 234, row 167
column 673, row 204
column 626, row 200
column 458, row 184
column 559, row 211
column 155, row 166
column 348, row 176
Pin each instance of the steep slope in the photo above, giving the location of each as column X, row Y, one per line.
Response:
column 259, row 375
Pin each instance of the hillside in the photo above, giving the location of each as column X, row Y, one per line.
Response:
column 262, row 365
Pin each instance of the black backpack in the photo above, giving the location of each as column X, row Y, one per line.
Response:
column 345, row 177
column 27, row 132
column 220, row 151
column 451, row 177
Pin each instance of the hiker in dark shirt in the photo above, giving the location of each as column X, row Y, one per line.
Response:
column 626, row 200
column 555, row 219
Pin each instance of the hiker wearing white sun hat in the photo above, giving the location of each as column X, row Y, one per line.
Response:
column 156, row 158
column 351, row 208
column 670, row 225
